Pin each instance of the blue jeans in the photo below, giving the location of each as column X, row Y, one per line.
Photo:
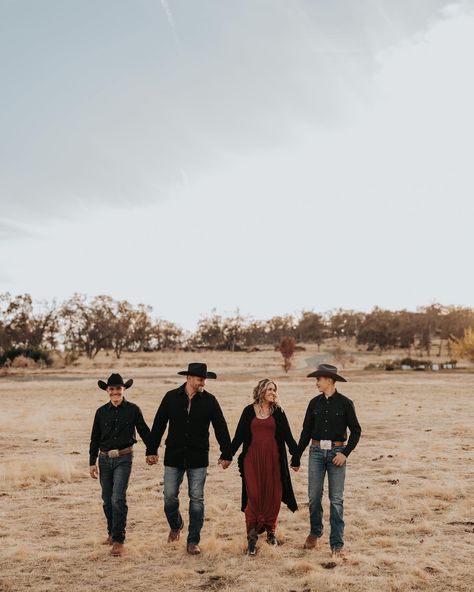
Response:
column 320, row 463
column 114, row 474
column 196, row 480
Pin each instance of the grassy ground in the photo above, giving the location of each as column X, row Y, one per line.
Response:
column 409, row 501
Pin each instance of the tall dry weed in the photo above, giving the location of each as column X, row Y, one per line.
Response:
column 29, row 470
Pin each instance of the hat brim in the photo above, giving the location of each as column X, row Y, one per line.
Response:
column 207, row 375
column 103, row 385
column 333, row 375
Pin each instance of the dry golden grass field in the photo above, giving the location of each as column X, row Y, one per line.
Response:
column 408, row 498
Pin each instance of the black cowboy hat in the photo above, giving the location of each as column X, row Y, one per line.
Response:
column 328, row 371
column 115, row 380
column 198, row 369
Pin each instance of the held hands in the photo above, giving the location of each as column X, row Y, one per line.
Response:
column 339, row 459
column 93, row 471
column 152, row 459
column 224, row 463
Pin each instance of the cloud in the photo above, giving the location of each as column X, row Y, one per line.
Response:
column 169, row 16
column 15, row 230
column 106, row 110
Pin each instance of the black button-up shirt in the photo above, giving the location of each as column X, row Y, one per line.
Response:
column 327, row 418
column 114, row 428
column 187, row 442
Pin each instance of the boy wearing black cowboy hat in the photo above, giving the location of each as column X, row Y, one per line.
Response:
column 325, row 424
column 112, row 440
column 188, row 411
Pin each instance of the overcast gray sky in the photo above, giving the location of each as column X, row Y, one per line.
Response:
column 270, row 155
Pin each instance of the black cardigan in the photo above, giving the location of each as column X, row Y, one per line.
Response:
column 243, row 435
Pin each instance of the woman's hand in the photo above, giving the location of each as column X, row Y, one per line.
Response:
column 339, row 459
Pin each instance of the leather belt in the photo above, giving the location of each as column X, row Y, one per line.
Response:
column 333, row 443
column 122, row 452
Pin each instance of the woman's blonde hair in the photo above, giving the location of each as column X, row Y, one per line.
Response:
column 259, row 392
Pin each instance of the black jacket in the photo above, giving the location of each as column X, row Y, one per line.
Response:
column 187, row 442
column 243, row 435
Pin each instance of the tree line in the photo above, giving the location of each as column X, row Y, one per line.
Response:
column 85, row 326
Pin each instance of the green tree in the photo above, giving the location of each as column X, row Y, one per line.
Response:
column 88, row 326
column 310, row 328
column 345, row 323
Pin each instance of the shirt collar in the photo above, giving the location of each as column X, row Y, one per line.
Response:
column 333, row 396
column 182, row 391
column 122, row 404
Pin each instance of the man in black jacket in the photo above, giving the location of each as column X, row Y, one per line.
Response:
column 112, row 439
column 188, row 411
column 326, row 421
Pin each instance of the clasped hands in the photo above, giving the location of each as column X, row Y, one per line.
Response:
column 152, row 459
column 339, row 459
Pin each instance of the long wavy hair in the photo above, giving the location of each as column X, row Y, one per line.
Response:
column 259, row 393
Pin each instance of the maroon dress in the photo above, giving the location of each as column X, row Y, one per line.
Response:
column 262, row 477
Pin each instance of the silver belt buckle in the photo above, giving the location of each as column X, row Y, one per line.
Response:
column 325, row 444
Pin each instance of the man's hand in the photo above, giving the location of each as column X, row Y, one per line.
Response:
column 296, row 469
column 93, row 471
column 339, row 459
column 152, row 459
column 224, row 463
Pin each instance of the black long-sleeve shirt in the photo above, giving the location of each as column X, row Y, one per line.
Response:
column 328, row 419
column 187, row 442
column 114, row 428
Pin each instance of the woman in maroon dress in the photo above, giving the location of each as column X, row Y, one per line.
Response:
column 263, row 430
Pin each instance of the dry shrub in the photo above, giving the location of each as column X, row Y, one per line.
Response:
column 300, row 567
column 287, row 350
column 23, row 362
column 50, row 470
column 464, row 347
column 340, row 356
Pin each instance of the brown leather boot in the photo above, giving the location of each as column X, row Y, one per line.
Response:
column 108, row 540
column 193, row 549
column 117, row 549
column 174, row 535
column 312, row 542
column 337, row 553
